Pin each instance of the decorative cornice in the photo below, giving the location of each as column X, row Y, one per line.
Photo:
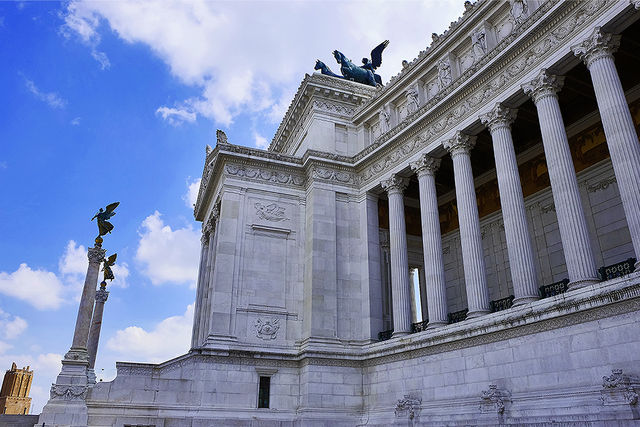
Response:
column 544, row 85
column 425, row 165
column 499, row 117
column 395, row 184
column 597, row 46
column 460, row 144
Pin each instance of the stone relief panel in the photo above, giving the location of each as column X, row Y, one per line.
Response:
column 271, row 212
column 267, row 329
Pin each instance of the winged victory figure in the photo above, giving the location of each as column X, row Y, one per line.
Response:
column 350, row 71
column 102, row 217
column 107, row 264
column 376, row 60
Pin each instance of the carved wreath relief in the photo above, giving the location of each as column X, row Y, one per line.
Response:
column 619, row 388
column 409, row 406
column 271, row 212
column 267, row 329
column 68, row 392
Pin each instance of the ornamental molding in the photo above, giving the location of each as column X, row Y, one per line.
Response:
column 460, row 144
column 481, row 89
column 602, row 185
column 96, row 255
column 499, row 117
column 271, row 212
column 425, row 165
column 408, row 406
column 267, row 329
column 619, row 389
column 395, row 184
column 333, row 107
column 597, row 46
column 255, row 173
column 334, row 175
column 493, row 399
column 543, row 85
column 68, row 392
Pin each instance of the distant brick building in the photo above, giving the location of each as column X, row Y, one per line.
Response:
column 14, row 396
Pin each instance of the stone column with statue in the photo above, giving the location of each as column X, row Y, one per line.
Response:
column 67, row 400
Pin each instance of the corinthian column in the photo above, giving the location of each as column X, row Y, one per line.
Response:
column 519, row 248
column 78, row 349
column 622, row 139
column 475, row 277
column 204, row 252
column 578, row 254
column 96, row 325
column 395, row 186
column 426, row 168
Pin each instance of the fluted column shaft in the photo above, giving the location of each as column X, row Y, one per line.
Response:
column 436, row 288
column 399, row 258
column 578, row 253
column 85, row 310
column 519, row 247
column 204, row 251
column 96, row 324
column 622, row 138
column 475, row 277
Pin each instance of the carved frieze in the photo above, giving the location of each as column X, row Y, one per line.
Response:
column 68, row 392
column 270, row 212
column 266, row 175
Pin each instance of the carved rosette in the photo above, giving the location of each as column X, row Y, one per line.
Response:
column 102, row 295
column 619, row 388
column 597, row 46
column 545, row 84
column 499, row 117
column 494, row 399
column 425, row 165
column 96, row 255
column 395, row 184
column 267, row 329
column 460, row 144
column 68, row 392
column 408, row 406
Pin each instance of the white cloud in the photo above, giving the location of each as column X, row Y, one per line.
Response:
column 166, row 255
column 11, row 328
column 75, row 121
column 191, row 196
column 176, row 116
column 250, row 56
column 169, row 338
column 260, row 141
column 82, row 23
column 74, row 260
column 40, row 288
column 51, row 98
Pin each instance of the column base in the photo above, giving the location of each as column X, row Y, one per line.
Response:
column 581, row 283
column 399, row 334
column 524, row 300
column 435, row 325
column 478, row 313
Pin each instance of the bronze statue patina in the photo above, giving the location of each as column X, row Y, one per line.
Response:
column 102, row 217
column 350, row 71
column 106, row 267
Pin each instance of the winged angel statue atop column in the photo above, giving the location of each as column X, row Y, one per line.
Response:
column 364, row 73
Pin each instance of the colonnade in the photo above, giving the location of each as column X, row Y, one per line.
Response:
column 622, row 140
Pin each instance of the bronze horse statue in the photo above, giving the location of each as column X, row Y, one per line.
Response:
column 361, row 74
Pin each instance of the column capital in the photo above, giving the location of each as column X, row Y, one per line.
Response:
column 499, row 117
column 96, row 255
column 635, row 3
column 597, row 46
column 425, row 165
column 545, row 84
column 102, row 294
column 395, row 184
column 460, row 144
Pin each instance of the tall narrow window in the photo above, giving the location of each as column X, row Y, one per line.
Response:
column 263, row 392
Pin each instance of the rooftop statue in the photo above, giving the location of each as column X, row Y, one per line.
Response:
column 104, row 226
column 350, row 71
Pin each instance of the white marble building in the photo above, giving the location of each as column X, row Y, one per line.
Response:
column 428, row 253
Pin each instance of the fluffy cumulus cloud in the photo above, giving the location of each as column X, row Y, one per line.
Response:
column 11, row 326
column 167, row 255
column 248, row 57
column 191, row 196
column 47, row 290
column 167, row 339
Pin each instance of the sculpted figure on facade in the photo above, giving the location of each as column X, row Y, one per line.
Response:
column 385, row 119
column 479, row 43
column 444, row 73
column 412, row 100
column 519, row 10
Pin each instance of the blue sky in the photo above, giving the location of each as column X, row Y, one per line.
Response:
column 115, row 101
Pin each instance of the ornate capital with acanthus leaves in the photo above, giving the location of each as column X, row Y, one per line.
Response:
column 102, row 295
column 499, row 117
column 544, row 85
column 460, row 144
column 395, row 184
column 425, row 165
column 96, row 255
column 597, row 46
